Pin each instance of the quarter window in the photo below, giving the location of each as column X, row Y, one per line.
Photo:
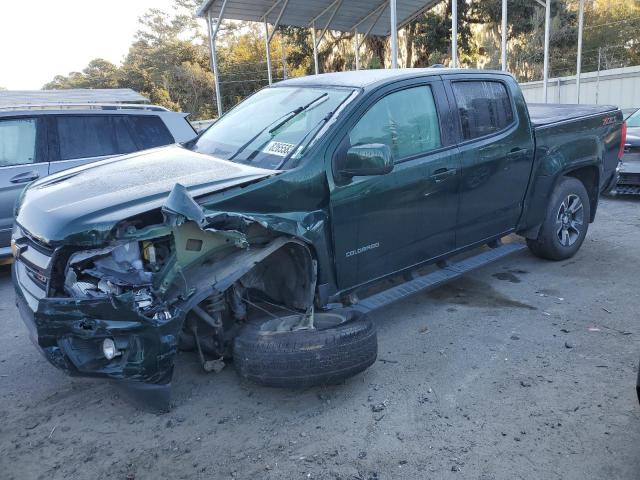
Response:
column 150, row 131
column 406, row 121
column 484, row 107
column 17, row 141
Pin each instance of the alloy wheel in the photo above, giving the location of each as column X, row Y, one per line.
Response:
column 569, row 220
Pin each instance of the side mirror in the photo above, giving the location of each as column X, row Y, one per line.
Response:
column 369, row 159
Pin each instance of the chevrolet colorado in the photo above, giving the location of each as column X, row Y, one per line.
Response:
column 260, row 239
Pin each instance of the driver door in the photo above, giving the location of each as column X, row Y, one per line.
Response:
column 385, row 223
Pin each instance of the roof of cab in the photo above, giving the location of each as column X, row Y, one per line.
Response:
column 368, row 78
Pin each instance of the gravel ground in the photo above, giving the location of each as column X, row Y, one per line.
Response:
column 524, row 369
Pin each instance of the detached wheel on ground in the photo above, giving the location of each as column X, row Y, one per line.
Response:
column 566, row 222
column 342, row 344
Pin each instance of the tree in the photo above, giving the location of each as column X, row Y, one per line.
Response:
column 168, row 62
column 99, row 73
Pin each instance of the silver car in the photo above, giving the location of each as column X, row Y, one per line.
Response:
column 37, row 141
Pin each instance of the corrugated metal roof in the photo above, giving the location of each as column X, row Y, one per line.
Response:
column 76, row 96
column 299, row 13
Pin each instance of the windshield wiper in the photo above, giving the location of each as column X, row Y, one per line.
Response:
column 322, row 121
column 280, row 122
column 296, row 112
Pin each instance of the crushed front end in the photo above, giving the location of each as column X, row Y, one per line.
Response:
column 120, row 304
column 94, row 311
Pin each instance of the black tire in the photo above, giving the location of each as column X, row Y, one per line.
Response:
column 566, row 222
column 342, row 344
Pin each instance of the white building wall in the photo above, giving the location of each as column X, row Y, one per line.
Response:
column 618, row 86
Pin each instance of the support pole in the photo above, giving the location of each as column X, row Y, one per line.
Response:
column 598, row 77
column 454, row 33
column 545, row 68
column 268, row 36
column 356, row 47
column 394, row 33
column 213, row 33
column 504, row 35
column 315, row 47
column 579, row 61
column 284, row 57
column 268, row 49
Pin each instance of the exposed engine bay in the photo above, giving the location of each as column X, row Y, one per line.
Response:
column 209, row 274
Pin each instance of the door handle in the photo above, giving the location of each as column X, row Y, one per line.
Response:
column 25, row 177
column 442, row 174
column 516, row 152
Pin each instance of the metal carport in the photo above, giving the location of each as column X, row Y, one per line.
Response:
column 357, row 16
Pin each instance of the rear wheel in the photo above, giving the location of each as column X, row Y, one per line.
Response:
column 566, row 222
column 341, row 344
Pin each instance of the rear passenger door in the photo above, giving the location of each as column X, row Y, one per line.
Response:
column 496, row 150
column 23, row 159
column 382, row 224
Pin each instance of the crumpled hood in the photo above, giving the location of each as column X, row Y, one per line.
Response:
column 96, row 196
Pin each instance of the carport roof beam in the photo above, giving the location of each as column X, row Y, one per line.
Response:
column 380, row 9
column 277, row 22
column 321, row 14
column 300, row 13
column 358, row 43
column 337, row 4
column 275, row 4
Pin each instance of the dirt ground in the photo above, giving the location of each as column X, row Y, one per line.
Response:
column 524, row 369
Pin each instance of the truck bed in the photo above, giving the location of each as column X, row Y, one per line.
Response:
column 544, row 114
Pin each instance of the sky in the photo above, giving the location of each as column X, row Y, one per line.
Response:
column 40, row 39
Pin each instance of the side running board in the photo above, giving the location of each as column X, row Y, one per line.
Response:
column 448, row 272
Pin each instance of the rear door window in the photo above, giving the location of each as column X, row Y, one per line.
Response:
column 86, row 136
column 150, row 131
column 484, row 107
column 18, row 141
column 406, row 121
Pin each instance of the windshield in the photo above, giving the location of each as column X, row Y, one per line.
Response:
column 634, row 120
column 271, row 126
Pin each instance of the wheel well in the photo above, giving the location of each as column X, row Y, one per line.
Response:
column 590, row 178
column 287, row 276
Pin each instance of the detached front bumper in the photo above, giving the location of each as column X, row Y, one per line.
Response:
column 70, row 333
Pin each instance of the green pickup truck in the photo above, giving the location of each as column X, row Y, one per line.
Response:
column 268, row 238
